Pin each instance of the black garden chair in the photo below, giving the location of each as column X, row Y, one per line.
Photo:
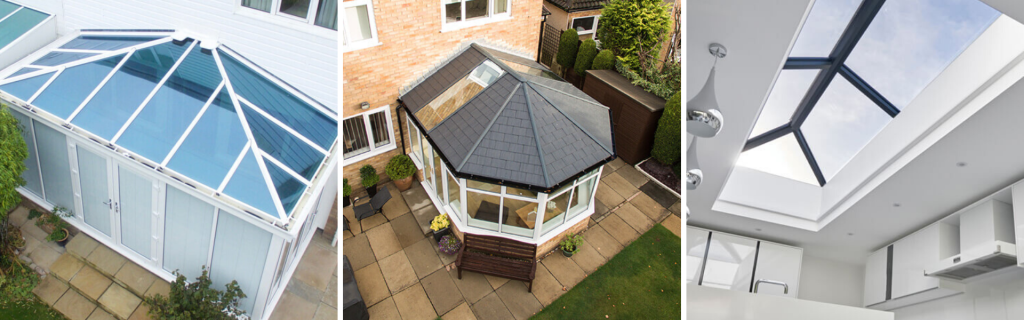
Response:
column 375, row 205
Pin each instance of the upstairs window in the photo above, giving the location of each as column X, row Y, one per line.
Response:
column 466, row 13
column 585, row 25
column 359, row 28
column 323, row 13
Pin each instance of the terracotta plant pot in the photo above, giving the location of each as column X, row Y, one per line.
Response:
column 404, row 184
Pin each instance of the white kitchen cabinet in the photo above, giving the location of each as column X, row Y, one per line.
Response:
column 696, row 245
column 876, row 277
column 780, row 263
column 1018, row 218
column 730, row 262
column 912, row 254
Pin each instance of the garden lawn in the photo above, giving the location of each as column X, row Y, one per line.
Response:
column 644, row 281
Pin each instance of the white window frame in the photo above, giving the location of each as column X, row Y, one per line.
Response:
column 386, row 109
column 361, row 44
column 487, row 64
column 597, row 19
column 491, row 16
column 417, row 139
column 277, row 17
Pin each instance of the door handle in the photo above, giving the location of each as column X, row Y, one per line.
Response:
column 108, row 203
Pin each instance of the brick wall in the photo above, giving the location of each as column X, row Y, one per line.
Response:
column 410, row 31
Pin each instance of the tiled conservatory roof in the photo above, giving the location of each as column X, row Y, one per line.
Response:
column 16, row 20
column 197, row 109
column 523, row 125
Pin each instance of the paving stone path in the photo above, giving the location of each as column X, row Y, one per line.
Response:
column 402, row 274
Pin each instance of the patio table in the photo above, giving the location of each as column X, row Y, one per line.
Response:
column 524, row 214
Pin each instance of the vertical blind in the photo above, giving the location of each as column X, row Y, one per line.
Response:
column 327, row 14
column 239, row 253
column 53, row 160
column 136, row 203
column 186, row 233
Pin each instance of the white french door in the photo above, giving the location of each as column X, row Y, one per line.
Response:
column 95, row 196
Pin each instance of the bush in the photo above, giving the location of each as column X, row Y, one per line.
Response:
column 347, row 189
column 567, row 47
column 369, row 176
column 585, row 57
column 605, row 60
column 400, row 167
column 633, row 27
column 662, row 83
column 13, row 152
column 666, row 139
column 572, row 243
column 197, row 300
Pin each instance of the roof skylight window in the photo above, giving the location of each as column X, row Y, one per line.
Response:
column 855, row 66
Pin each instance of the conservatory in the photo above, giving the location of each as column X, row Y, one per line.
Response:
column 176, row 152
column 506, row 147
column 23, row 30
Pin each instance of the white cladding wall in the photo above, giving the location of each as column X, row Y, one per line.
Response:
column 307, row 61
column 830, row 281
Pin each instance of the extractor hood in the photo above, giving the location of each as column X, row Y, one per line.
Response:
column 986, row 243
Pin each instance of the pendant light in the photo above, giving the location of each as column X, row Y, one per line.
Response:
column 694, row 175
column 702, row 116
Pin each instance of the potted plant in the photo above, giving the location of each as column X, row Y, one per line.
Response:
column 441, row 226
column 571, row 244
column 400, row 169
column 370, row 179
column 449, row 244
column 347, row 192
column 55, row 222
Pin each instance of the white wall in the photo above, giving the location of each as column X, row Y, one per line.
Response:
column 830, row 281
column 305, row 56
column 997, row 298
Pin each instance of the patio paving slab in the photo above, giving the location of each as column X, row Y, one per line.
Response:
column 397, row 272
column 373, row 221
column 462, row 312
column 385, row 310
column 331, row 295
column 141, row 313
column 607, row 196
column 636, row 219
column 74, row 306
column 99, row 314
column 648, row 206
column 617, row 163
column 413, row 304
column 81, row 245
column 407, row 230
column 19, row 216
column 423, row 258
column 50, row 290
column 520, row 303
column 383, row 241
column 441, row 291
column 293, row 307
column 674, row 224
column 326, row 312
column 91, row 282
column 564, row 269
column 659, row 194
column 350, row 216
column 633, row 175
column 358, row 251
column 676, row 208
column 106, row 260
column 424, row 215
column 492, row 308
column 31, row 230
column 618, row 229
column 371, row 284
column 159, row 287
column 602, row 241
column 446, row 259
column 619, row 185
column 316, row 266
column 395, row 207
column 44, row 256
column 472, row 285
column 119, row 301
column 496, row 282
column 416, row 197
column 135, row 277
column 545, row 287
column 304, row 290
column 599, row 210
column 588, row 259
column 66, row 266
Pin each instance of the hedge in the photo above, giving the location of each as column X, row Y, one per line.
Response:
column 567, row 47
column 585, row 57
column 666, row 139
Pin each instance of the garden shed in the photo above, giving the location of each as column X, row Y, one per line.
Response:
column 177, row 152
column 506, row 147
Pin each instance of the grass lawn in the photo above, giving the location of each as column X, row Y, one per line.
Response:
column 644, row 281
column 17, row 302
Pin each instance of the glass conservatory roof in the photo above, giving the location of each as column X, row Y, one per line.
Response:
column 199, row 110
column 855, row 65
column 16, row 20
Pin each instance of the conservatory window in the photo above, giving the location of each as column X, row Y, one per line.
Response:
column 359, row 27
column 438, row 177
column 581, row 198
column 482, row 209
column 414, row 143
column 453, row 193
column 520, row 217
column 368, row 134
column 554, row 214
column 33, row 180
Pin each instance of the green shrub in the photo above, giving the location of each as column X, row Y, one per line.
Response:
column 13, row 152
column 369, row 176
column 567, row 47
column 662, row 83
column 347, row 190
column 54, row 220
column 400, row 167
column 196, row 300
column 585, row 57
column 666, row 139
column 605, row 60
column 631, row 28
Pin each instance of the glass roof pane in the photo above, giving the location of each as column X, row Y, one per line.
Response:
column 109, row 43
column 23, row 71
column 281, row 145
column 18, row 23
column 247, row 185
column 111, row 107
column 840, row 125
column 25, row 88
column 165, row 117
column 789, row 89
column 781, row 157
column 289, row 189
column 72, row 86
column 458, row 94
column 212, row 146
column 910, row 42
column 58, row 58
column 279, row 103
column 6, row 8
column 824, row 25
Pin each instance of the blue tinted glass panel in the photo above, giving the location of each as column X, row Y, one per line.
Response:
column 111, row 107
column 6, row 8
column 283, row 146
column 247, row 185
column 212, row 146
column 18, row 23
column 23, row 71
column 109, row 43
column 24, row 89
column 164, row 119
column 288, row 188
column 72, row 86
column 59, row 58
column 280, row 104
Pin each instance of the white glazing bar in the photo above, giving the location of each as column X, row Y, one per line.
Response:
column 79, row 50
column 128, row 33
column 11, row 14
column 23, row 76
column 152, row 93
column 192, row 125
column 281, row 84
column 213, row 238
column 106, row 54
column 231, row 172
column 284, row 126
column 48, row 82
column 100, row 86
column 287, row 169
column 538, row 222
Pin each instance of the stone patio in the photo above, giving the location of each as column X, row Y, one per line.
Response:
column 312, row 292
column 402, row 274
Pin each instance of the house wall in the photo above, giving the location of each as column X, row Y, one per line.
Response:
column 412, row 43
column 830, row 281
column 558, row 17
column 305, row 56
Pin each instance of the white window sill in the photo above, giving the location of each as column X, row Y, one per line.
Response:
column 360, row 46
column 290, row 23
column 370, row 154
column 452, row 26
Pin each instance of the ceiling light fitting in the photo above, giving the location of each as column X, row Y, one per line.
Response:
column 702, row 116
column 694, row 175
